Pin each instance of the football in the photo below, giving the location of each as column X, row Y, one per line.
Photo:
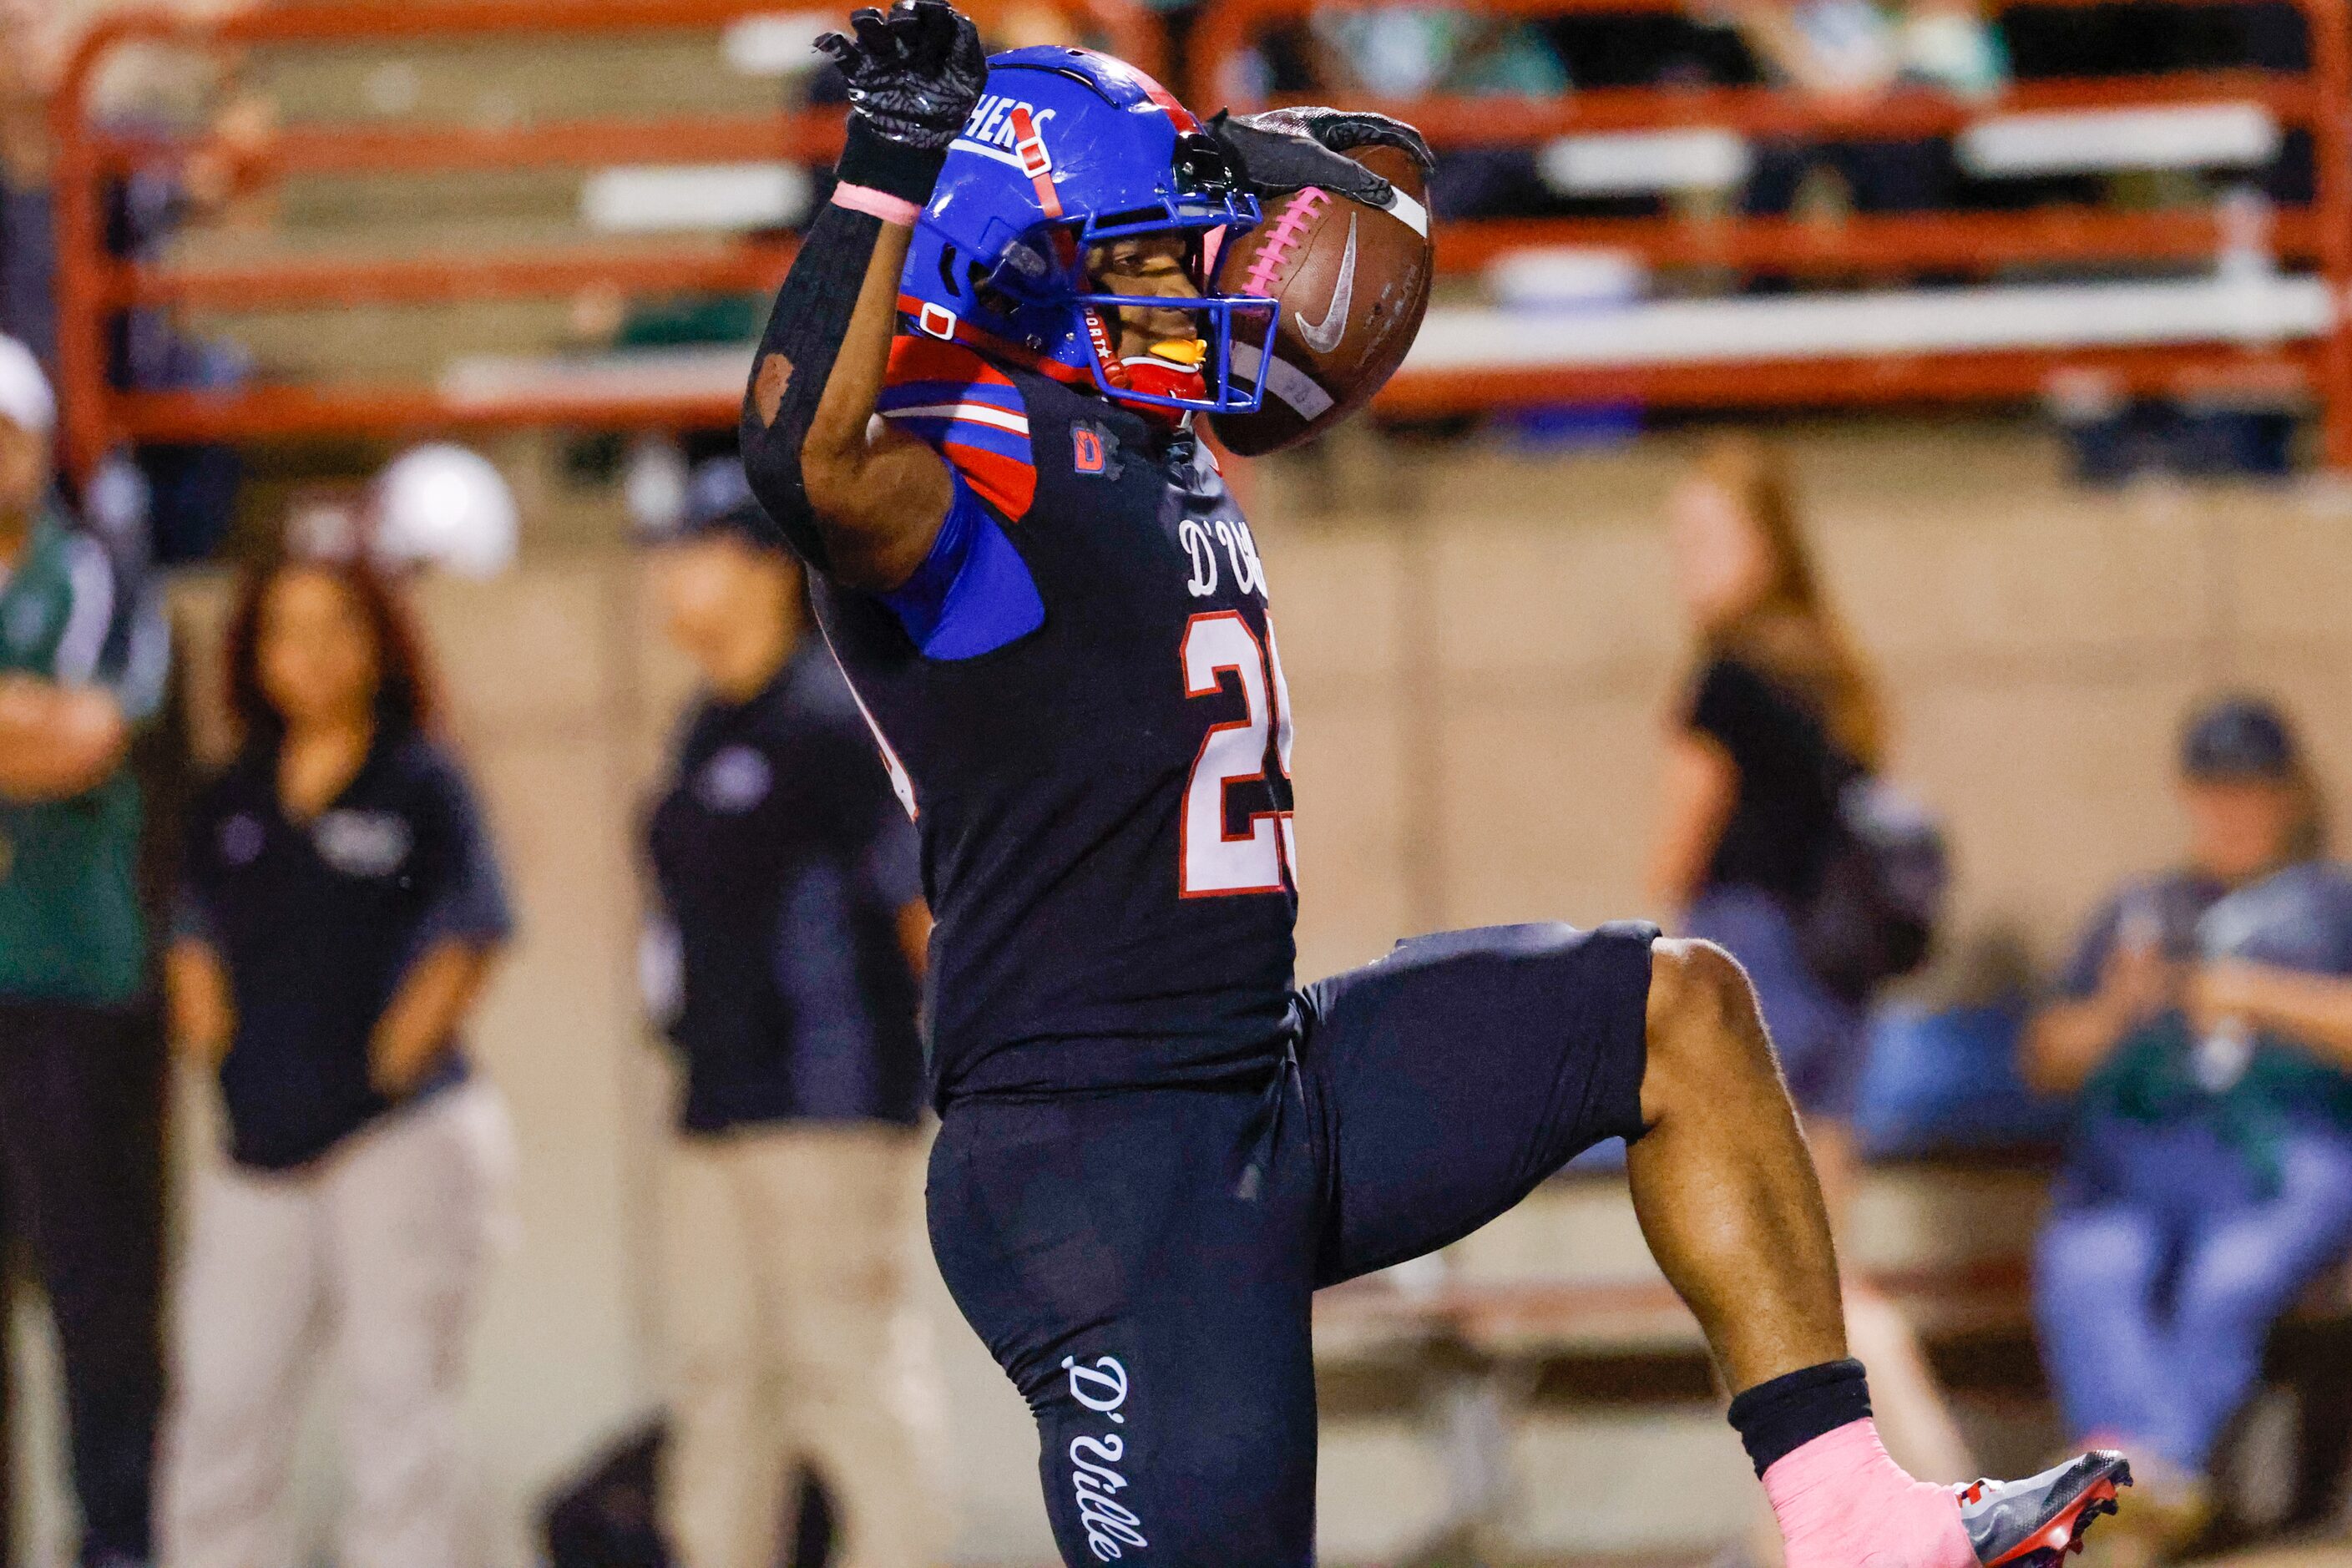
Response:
column 1353, row 280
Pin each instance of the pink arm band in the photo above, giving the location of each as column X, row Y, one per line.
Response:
column 877, row 204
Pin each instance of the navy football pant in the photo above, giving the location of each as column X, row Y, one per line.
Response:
column 1142, row 1262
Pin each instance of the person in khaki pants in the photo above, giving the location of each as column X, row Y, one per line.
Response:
column 342, row 907
column 785, row 967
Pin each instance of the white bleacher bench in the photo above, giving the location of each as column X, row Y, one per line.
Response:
column 668, row 198
column 2114, row 141
column 776, row 42
column 2260, row 309
column 1999, row 146
column 1644, row 162
column 481, row 382
column 673, row 198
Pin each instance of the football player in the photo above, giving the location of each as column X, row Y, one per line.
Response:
column 971, row 413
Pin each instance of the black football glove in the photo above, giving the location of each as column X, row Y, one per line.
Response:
column 1285, row 150
column 1345, row 130
column 913, row 75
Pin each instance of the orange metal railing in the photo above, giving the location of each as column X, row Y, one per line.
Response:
column 2319, row 235
column 92, row 285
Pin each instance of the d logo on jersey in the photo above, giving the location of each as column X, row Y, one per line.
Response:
column 1094, row 450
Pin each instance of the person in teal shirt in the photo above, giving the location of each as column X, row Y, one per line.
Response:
column 2205, row 1025
column 83, row 656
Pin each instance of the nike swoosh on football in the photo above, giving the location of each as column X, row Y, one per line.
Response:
column 1323, row 336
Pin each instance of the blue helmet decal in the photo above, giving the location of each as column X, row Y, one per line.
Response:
column 1068, row 150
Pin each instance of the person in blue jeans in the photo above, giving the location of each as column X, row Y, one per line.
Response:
column 2205, row 1021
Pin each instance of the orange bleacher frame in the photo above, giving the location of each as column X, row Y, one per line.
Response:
column 92, row 285
column 2320, row 100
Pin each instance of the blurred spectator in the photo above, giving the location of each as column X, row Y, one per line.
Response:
column 27, row 253
column 1416, row 51
column 341, row 909
column 187, row 492
column 83, row 651
column 1650, row 48
column 785, row 968
column 1780, row 714
column 191, row 487
column 2065, row 41
column 1952, row 45
column 1851, row 51
column 2205, row 1021
column 2060, row 40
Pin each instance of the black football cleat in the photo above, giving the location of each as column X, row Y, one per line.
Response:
column 2035, row 1523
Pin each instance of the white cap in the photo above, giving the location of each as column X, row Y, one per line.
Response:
column 25, row 400
column 444, row 506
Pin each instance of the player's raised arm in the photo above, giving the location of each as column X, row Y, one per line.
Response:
column 862, row 501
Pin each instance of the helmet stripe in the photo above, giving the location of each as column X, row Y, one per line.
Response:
column 1181, row 116
column 1111, row 66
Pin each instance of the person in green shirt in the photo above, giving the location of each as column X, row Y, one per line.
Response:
column 2204, row 1025
column 83, row 656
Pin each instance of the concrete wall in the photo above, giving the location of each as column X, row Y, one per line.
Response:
column 1481, row 650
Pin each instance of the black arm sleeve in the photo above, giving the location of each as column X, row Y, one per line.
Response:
column 796, row 355
column 805, row 330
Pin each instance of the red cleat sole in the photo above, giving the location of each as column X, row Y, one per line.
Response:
column 2063, row 1534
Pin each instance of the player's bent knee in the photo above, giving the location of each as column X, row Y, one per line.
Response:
column 1696, row 986
column 1703, row 1020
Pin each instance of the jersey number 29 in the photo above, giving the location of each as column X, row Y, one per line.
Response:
column 1215, row 862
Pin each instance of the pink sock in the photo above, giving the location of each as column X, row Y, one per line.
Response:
column 1843, row 1503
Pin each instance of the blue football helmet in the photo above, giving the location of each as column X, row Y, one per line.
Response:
column 1066, row 150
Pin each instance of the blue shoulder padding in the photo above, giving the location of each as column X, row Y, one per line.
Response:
column 973, row 594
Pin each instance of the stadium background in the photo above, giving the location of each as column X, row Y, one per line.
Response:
column 456, row 211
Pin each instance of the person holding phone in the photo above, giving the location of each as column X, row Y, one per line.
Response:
column 2205, row 1025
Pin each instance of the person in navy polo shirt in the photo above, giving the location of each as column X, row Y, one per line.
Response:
column 340, row 909
column 783, row 965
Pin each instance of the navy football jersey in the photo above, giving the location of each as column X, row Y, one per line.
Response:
column 1105, row 800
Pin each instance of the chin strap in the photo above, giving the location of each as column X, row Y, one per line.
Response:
column 1105, row 353
column 1163, row 373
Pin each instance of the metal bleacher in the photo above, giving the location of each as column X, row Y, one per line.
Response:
column 2261, row 314
column 410, row 184
column 658, row 193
